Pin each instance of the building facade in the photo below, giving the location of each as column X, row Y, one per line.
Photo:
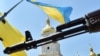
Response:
column 51, row 49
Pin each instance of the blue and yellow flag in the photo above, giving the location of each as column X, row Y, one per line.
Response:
column 61, row 14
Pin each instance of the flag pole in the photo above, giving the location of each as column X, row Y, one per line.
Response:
column 6, row 13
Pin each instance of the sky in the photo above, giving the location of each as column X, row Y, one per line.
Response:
column 27, row 16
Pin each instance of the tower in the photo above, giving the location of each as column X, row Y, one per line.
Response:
column 92, row 53
column 51, row 49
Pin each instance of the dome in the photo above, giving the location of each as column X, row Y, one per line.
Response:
column 48, row 27
column 92, row 53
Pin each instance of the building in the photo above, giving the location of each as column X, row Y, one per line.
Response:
column 92, row 53
column 52, row 49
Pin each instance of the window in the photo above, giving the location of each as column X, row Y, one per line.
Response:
column 48, row 48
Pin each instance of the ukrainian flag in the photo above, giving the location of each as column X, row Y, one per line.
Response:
column 61, row 14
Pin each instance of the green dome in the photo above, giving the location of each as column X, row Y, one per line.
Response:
column 98, row 54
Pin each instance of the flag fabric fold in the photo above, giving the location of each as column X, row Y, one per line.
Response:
column 61, row 14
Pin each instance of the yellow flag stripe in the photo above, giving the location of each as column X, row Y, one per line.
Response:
column 54, row 13
column 11, row 36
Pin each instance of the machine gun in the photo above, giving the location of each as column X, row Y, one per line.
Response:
column 6, row 13
column 89, row 23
